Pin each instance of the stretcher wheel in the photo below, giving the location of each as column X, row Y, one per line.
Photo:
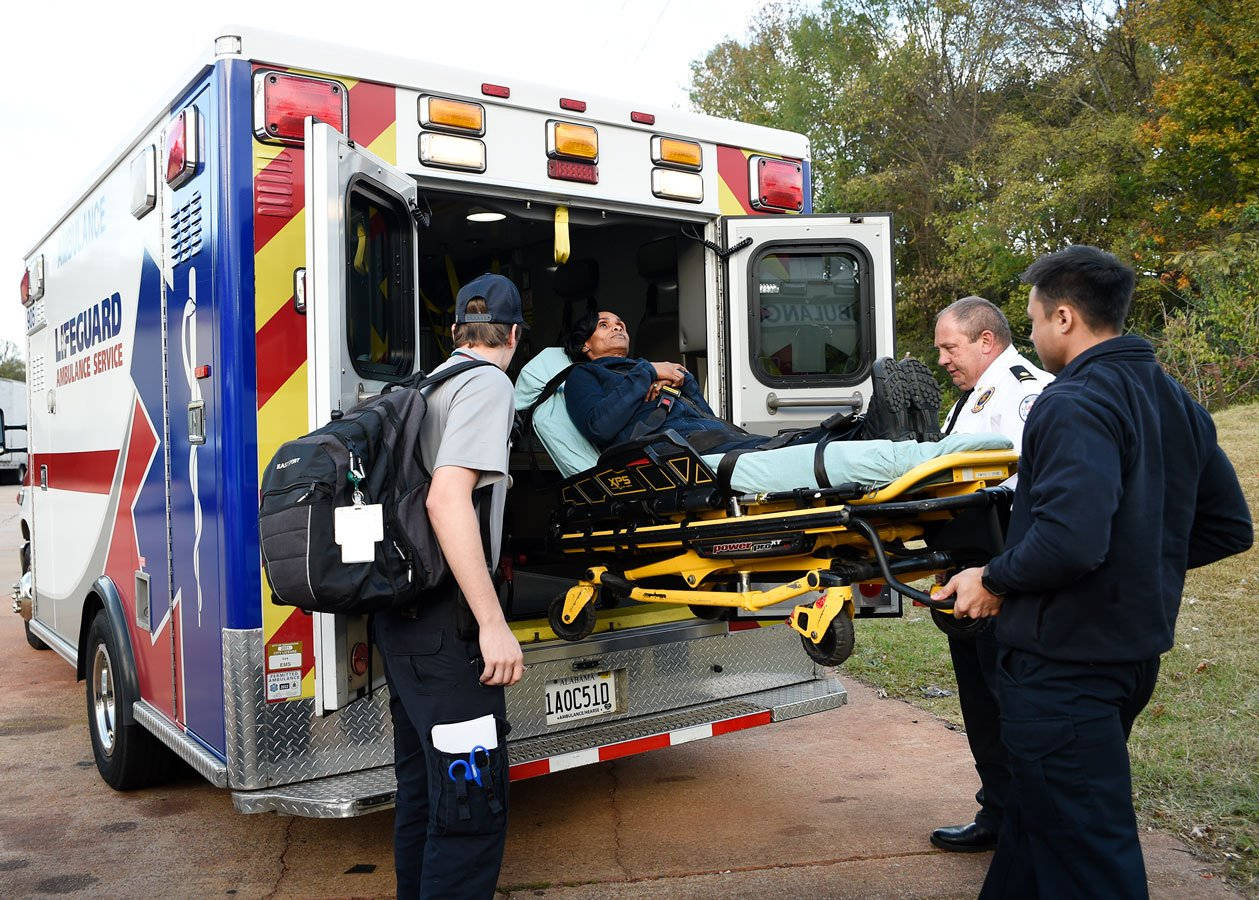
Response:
column 579, row 628
column 959, row 628
column 836, row 645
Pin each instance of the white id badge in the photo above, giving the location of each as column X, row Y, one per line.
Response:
column 461, row 737
column 357, row 529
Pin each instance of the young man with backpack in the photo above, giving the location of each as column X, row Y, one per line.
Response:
column 448, row 659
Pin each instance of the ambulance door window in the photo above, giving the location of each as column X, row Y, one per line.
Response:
column 380, row 303
column 809, row 317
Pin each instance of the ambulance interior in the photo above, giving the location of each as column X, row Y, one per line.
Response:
column 646, row 270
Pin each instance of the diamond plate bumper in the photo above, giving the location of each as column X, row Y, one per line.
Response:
column 356, row 793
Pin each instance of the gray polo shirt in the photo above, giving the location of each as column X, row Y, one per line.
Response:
column 468, row 424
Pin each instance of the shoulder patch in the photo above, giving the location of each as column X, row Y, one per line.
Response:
column 1025, row 405
column 1021, row 373
column 983, row 400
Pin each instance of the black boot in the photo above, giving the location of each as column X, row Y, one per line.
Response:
column 924, row 399
column 888, row 415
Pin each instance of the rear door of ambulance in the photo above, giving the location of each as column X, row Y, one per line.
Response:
column 359, row 293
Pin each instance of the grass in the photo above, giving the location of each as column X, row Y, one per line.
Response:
column 1195, row 749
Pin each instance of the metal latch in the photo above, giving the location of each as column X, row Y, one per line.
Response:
column 196, row 422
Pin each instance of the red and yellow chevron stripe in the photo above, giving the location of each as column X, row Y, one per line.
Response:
column 280, row 333
column 732, row 181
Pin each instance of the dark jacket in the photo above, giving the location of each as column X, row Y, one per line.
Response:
column 606, row 399
column 1121, row 488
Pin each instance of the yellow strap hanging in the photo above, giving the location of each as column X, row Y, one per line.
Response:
column 562, row 246
column 360, row 249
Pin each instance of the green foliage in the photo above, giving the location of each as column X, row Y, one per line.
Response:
column 998, row 130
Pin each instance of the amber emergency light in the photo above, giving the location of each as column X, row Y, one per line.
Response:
column 568, row 140
column 444, row 114
column 673, row 152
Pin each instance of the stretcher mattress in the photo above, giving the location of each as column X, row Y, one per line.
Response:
column 784, row 469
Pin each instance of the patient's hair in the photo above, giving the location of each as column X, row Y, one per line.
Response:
column 975, row 315
column 481, row 334
column 1093, row 281
column 577, row 336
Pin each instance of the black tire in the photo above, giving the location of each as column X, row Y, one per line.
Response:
column 36, row 643
column 24, row 556
column 127, row 756
column 581, row 627
column 836, row 645
column 21, row 474
column 965, row 629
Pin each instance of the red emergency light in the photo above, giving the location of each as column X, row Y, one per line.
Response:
column 779, row 184
column 495, row 90
column 586, row 173
column 572, row 105
column 643, row 118
column 26, row 288
column 183, row 147
column 286, row 100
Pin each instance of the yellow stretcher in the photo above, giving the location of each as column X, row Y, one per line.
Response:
column 663, row 531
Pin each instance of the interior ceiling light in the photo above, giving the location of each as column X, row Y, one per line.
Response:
column 486, row 215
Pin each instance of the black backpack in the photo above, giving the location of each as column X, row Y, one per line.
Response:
column 308, row 478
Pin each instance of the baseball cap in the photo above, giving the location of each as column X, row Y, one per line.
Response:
column 501, row 299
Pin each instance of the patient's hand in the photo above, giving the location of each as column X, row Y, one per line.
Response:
column 653, row 392
column 672, row 374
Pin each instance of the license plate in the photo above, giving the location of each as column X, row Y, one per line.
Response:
column 580, row 697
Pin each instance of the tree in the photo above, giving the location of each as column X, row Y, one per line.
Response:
column 11, row 363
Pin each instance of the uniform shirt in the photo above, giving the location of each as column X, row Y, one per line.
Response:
column 1001, row 399
column 468, row 424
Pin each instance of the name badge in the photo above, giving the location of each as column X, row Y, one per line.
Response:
column 357, row 529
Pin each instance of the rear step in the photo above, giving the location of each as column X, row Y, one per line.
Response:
column 356, row 793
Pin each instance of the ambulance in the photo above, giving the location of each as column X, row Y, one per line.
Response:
column 281, row 240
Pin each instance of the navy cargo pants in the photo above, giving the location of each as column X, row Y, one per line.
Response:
column 1069, row 828
column 975, row 665
column 449, row 833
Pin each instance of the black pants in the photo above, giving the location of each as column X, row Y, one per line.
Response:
column 975, row 664
column 449, row 833
column 1069, row 829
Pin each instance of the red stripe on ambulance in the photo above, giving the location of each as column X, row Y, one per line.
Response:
column 87, row 471
column 562, row 761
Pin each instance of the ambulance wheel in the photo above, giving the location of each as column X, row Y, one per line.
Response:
column 959, row 628
column 127, row 756
column 579, row 628
column 836, row 645
column 36, row 643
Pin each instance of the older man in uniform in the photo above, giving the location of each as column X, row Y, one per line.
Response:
column 998, row 387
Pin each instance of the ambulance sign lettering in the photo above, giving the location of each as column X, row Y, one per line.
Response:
column 283, row 671
column 98, row 324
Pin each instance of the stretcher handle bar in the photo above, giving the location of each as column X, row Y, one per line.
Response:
column 774, row 403
column 846, row 573
column 869, row 532
column 977, row 500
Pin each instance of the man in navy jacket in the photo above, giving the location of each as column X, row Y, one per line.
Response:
column 1121, row 488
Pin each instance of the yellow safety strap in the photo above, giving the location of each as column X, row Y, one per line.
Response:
column 360, row 249
column 562, row 246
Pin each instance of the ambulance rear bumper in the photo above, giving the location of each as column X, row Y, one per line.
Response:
column 369, row 790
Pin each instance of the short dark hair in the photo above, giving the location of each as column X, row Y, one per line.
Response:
column 975, row 315
column 481, row 334
column 578, row 334
column 1093, row 281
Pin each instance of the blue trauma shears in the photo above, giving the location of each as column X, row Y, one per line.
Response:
column 471, row 771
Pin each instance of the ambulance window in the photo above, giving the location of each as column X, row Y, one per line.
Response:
column 380, row 309
column 810, row 321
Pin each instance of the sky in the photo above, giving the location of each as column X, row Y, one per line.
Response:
column 80, row 79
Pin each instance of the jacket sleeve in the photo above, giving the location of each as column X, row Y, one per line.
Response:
column 1071, row 501
column 690, row 390
column 1221, row 519
column 601, row 402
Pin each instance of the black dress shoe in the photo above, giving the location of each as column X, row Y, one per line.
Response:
column 969, row 838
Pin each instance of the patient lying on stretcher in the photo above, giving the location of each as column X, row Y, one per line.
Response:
column 574, row 449
column 613, row 398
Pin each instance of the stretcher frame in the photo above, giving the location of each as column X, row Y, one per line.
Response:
column 653, row 511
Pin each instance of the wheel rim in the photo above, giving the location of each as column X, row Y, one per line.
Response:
column 103, row 702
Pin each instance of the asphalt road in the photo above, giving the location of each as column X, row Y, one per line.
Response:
column 835, row 805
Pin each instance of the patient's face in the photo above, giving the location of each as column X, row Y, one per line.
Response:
column 609, row 339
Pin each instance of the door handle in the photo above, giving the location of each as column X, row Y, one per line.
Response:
column 774, row 403
column 196, row 422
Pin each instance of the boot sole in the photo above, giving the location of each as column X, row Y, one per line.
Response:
column 892, row 391
column 923, row 395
